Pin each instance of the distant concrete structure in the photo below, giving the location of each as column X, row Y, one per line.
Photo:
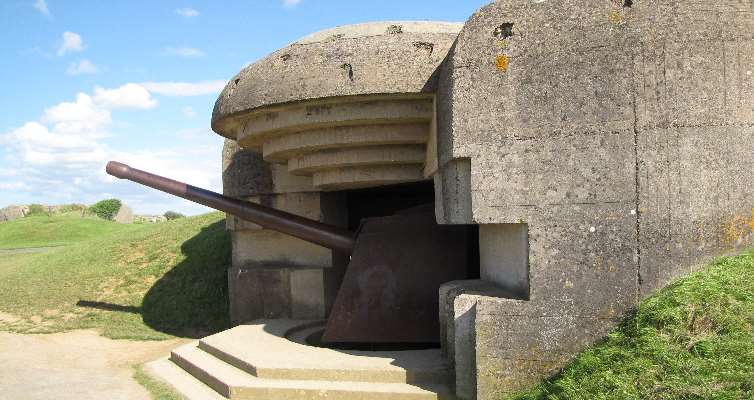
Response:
column 601, row 149
column 125, row 215
column 149, row 219
column 13, row 212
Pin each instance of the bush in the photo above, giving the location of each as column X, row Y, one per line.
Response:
column 68, row 208
column 171, row 215
column 106, row 209
column 37, row 209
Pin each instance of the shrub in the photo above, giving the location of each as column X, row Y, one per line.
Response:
column 37, row 209
column 67, row 208
column 106, row 209
column 171, row 215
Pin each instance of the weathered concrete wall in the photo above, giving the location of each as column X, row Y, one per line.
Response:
column 458, row 328
column 354, row 60
column 274, row 275
column 349, row 107
column 245, row 173
column 622, row 134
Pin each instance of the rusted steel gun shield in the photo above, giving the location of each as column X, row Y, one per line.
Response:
column 389, row 293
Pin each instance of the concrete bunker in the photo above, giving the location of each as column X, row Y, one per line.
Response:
column 585, row 143
column 354, row 147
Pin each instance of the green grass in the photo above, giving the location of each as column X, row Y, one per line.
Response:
column 693, row 340
column 157, row 389
column 147, row 282
column 57, row 230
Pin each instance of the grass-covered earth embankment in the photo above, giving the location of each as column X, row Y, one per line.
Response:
column 693, row 340
column 57, row 230
column 151, row 281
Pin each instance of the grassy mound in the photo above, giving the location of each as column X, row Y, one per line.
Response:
column 57, row 230
column 693, row 340
column 130, row 282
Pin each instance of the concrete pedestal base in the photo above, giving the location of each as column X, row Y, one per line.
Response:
column 267, row 360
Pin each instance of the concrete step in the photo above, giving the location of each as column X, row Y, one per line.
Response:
column 234, row 383
column 275, row 350
column 180, row 380
column 281, row 149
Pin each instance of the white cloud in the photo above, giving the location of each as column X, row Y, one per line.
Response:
column 130, row 95
column 71, row 42
column 41, row 6
column 187, row 12
column 184, row 51
column 185, row 88
column 12, row 186
column 61, row 157
column 82, row 67
column 192, row 164
column 82, row 117
column 35, row 134
column 8, row 172
column 38, row 146
column 189, row 112
column 291, row 3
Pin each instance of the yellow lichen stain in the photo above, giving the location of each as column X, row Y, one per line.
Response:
column 751, row 223
column 501, row 44
column 735, row 229
column 600, row 265
column 615, row 17
column 502, row 63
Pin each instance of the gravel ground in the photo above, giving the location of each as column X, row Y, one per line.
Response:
column 74, row 365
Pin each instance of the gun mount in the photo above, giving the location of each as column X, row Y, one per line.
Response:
column 397, row 263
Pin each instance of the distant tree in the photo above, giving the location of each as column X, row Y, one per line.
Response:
column 36, row 209
column 106, row 209
column 171, row 215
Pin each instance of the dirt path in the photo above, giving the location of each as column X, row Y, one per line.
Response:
column 28, row 250
column 73, row 365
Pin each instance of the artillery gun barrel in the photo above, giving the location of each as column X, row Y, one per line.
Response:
column 306, row 229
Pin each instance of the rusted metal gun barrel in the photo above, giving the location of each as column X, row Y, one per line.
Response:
column 312, row 231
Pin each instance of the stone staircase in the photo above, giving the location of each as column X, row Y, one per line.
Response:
column 271, row 361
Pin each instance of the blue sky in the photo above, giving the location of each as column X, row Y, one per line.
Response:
column 87, row 81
